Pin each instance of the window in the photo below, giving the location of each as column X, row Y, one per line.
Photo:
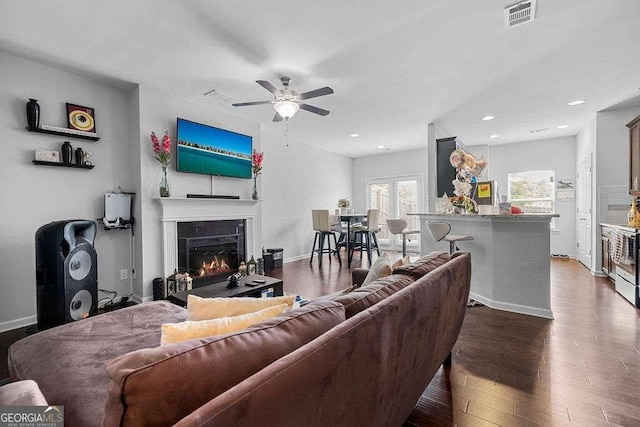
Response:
column 533, row 191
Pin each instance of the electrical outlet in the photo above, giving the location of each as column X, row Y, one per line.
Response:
column 124, row 274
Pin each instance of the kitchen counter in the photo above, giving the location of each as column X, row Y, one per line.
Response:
column 621, row 227
column 510, row 258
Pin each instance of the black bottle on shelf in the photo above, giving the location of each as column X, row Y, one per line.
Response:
column 33, row 113
column 79, row 156
column 66, row 153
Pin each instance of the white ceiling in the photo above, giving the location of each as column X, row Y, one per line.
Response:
column 394, row 65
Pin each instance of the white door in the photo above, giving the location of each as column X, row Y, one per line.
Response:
column 395, row 197
column 584, row 210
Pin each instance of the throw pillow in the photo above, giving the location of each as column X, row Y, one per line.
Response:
column 189, row 330
column 380, row 268
column 399, row 263
column 213, row 308
column 162, row 385
column 427, row 263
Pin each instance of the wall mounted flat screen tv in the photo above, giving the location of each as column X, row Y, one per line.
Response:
column 212, row 151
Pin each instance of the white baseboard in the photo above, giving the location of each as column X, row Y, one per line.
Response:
column 514, row 308
column 296, row 258
column 18, row 323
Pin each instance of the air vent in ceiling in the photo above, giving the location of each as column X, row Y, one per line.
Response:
column 538, row 130
column 519, row 13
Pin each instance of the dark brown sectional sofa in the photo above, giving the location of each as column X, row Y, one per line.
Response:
column 359, row 357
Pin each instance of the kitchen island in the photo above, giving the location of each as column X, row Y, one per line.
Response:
column 510, row 258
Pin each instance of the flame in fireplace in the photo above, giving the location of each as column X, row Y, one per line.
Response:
column 214, row 267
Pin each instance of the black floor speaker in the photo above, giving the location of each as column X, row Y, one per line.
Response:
column 66, row 272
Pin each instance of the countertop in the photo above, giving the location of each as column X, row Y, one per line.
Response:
column 622, row 227
column 493, row 218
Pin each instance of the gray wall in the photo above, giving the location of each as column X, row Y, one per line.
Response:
column 296, row 179
column 558, row 154
column 611, row 165
column 31, row 196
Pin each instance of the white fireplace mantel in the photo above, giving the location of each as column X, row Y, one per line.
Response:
column 175, row 209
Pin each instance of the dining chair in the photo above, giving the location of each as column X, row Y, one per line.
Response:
column 398, row 227
column 367, row 235
column 325, row 226
column 442, row 231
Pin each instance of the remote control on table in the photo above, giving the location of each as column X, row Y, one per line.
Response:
column 261, row 281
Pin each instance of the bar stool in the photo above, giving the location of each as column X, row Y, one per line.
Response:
column 323, row 227
column 441, row 231
column 398, row 226
column 367, row 235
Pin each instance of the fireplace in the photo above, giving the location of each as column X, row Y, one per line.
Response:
column 210, row 251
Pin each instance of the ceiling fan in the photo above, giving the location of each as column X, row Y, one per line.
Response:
column 287, row 102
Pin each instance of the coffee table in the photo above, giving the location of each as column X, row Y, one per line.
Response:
column 219, row 290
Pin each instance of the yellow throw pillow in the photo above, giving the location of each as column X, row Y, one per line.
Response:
column 380, row 268
column 189, row 330
column 213, row 308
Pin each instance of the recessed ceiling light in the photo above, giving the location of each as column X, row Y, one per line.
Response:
column 485, row 118
column 577, row 102
column 381, row 147
column 354, row 135
column 493, row 136
column 563, row 126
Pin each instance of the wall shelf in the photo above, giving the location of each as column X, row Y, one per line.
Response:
column 70, row 165
column 62, row 133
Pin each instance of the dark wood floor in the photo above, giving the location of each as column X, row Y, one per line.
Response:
column 582, row 368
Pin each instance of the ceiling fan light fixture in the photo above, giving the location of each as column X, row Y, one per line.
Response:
column 286, row 109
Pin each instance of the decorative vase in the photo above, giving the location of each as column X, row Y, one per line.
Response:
column 66, row 153
column 165, row 188
column 343, row 211
column 79, row 156
column 33, row 114
column 254, row 196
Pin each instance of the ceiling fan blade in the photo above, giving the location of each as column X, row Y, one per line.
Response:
column 244, row 104
column 277, row 118
column 315, row 93
column 268, row 86
column 313, row 109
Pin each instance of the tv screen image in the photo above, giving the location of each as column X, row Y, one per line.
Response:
column 212, row 151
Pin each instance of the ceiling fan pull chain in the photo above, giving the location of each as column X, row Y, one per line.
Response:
column 286, row 130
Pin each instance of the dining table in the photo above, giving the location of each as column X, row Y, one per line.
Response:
column 350, row 219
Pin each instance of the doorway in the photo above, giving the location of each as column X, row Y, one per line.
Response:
column 396, row 197
column 584, row 212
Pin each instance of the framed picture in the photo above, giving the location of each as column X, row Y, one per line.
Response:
column 81, row 118
column 565, row 189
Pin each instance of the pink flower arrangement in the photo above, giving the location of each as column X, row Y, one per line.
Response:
column 161, row 150
column 256, row 162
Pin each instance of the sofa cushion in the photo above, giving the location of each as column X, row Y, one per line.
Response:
column 69, row 362
column 192, row 329
column 423, row 265
column 159, row 386
column 364, row 297
column 199, row 308
column 21, row 393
